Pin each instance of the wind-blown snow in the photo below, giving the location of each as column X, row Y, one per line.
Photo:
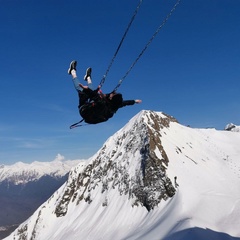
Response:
column 203, row 165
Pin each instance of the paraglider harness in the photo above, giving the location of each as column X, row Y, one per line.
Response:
column 93, row 111
column 95, row 107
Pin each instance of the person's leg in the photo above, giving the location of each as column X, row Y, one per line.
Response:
column 87, row 77
column 73, row 71
column 75, row 80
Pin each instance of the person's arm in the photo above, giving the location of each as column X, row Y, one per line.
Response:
column 130, row 102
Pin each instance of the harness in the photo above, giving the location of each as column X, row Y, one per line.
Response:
column 93, row 112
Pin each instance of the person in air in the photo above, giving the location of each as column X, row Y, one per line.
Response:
column 95, row 106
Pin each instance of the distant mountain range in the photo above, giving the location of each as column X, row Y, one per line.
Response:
column 24, row 187
column 154, row 179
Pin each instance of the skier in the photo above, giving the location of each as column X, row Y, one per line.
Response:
column 94, row 106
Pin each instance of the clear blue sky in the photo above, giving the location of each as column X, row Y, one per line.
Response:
column 190, row 71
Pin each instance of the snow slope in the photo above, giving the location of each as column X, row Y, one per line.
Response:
column 154, row 179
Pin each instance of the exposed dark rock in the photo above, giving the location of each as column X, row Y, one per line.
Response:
column 110, row 169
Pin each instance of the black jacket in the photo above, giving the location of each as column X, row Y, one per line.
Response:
column 96, row 107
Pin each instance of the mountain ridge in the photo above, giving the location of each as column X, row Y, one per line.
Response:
column 152, row 179
column 21, row 173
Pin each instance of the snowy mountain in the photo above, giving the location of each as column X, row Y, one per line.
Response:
column 21, row 173
column 153, row 179
column 24, row 187
column 232, row 127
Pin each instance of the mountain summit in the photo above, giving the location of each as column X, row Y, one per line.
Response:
column 153, row 179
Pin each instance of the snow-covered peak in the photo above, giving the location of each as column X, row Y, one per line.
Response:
column 232, row 127
column 21, row 173
column 153, row 179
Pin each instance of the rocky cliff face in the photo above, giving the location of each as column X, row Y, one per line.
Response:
column 133, row 162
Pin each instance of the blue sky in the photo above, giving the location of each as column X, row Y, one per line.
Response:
column 190, row 71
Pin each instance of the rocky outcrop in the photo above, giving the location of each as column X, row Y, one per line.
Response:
column 137, row 148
